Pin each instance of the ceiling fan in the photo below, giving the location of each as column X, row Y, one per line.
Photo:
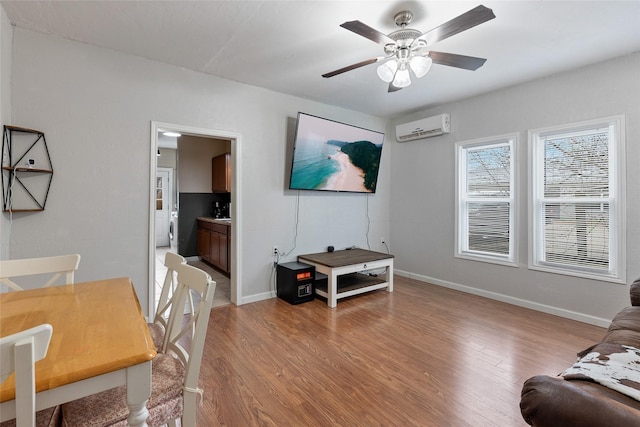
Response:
column 408, row 49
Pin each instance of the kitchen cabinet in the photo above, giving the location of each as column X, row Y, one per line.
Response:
column 203, row 243
column 221, row 173
column 213, row 243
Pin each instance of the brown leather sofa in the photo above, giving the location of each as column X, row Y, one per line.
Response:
column 556, row 401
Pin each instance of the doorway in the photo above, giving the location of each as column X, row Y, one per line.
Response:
column 164, row 206
column 156, row 258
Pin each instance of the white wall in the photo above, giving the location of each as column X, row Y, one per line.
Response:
column 423, row 191
column 95, row 104
column 6, row 35
column 195, row 153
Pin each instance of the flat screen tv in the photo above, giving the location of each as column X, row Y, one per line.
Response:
column 334, row 156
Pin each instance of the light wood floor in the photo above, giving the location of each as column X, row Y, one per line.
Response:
column 420, row 356
column 223, row 283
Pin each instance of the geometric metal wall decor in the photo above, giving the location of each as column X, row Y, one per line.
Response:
column 27, row 171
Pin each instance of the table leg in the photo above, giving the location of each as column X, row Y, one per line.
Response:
column 390, row 277
column 138, row 392
column 332, row 289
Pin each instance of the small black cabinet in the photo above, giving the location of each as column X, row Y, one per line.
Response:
column 296, row 282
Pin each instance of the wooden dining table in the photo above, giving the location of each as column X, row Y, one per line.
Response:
column 100, row 341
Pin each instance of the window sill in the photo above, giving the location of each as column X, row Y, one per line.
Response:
column 583, row 275
column 487, row 259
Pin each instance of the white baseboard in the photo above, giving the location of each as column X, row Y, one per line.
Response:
column 258, row 297
column 568, row 314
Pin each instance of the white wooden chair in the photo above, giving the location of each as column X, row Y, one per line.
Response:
column 19, row 353
column 157, row 328
column 56, row 266
column 175, row 373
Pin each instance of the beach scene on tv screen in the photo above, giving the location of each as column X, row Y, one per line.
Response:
column 334, row 156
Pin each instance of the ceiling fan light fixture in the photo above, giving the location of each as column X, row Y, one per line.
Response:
column 402, row 79
column 387, row 70
column 420, row 65
column 407, row 50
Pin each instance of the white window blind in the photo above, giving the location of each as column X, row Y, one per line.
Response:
column 577, row 204
column 485, row 220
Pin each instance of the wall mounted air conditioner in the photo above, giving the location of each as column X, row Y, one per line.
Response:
column 423, row 128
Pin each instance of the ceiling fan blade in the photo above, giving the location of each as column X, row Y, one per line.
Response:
column 393, row 88
column 459, row 61
column 457, row 25
column 352, row 67
column 366, row 31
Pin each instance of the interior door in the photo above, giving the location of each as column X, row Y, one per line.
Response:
column 164, row 178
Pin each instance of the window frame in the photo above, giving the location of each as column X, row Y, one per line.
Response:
column 616, row 199
column 461, row 249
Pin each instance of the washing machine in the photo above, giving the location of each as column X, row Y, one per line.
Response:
column 173, row 232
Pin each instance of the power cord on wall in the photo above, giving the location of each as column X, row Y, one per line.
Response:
column 295, row 230
column 368, row 221
column 277, row 254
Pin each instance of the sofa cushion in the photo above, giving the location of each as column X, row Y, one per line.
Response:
column 578, row 399
column 634, row 292
column 624, row 329
column 612, row 365
column 554, row 402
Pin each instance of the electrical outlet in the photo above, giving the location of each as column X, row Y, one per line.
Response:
column 275, row 251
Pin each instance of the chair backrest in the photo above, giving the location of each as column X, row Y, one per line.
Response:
column 172, row 262
column 18, row 353
column 191, row 280
column 56, row 266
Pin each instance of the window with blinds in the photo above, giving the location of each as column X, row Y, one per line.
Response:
column 485, row 208
column 577, row 200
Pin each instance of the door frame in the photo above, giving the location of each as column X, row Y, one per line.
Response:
column 170, row 192
column 236, row 202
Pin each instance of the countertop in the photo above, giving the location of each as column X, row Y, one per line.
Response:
column 221, row 221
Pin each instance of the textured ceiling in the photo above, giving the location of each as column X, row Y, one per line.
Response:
column 286, row 46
